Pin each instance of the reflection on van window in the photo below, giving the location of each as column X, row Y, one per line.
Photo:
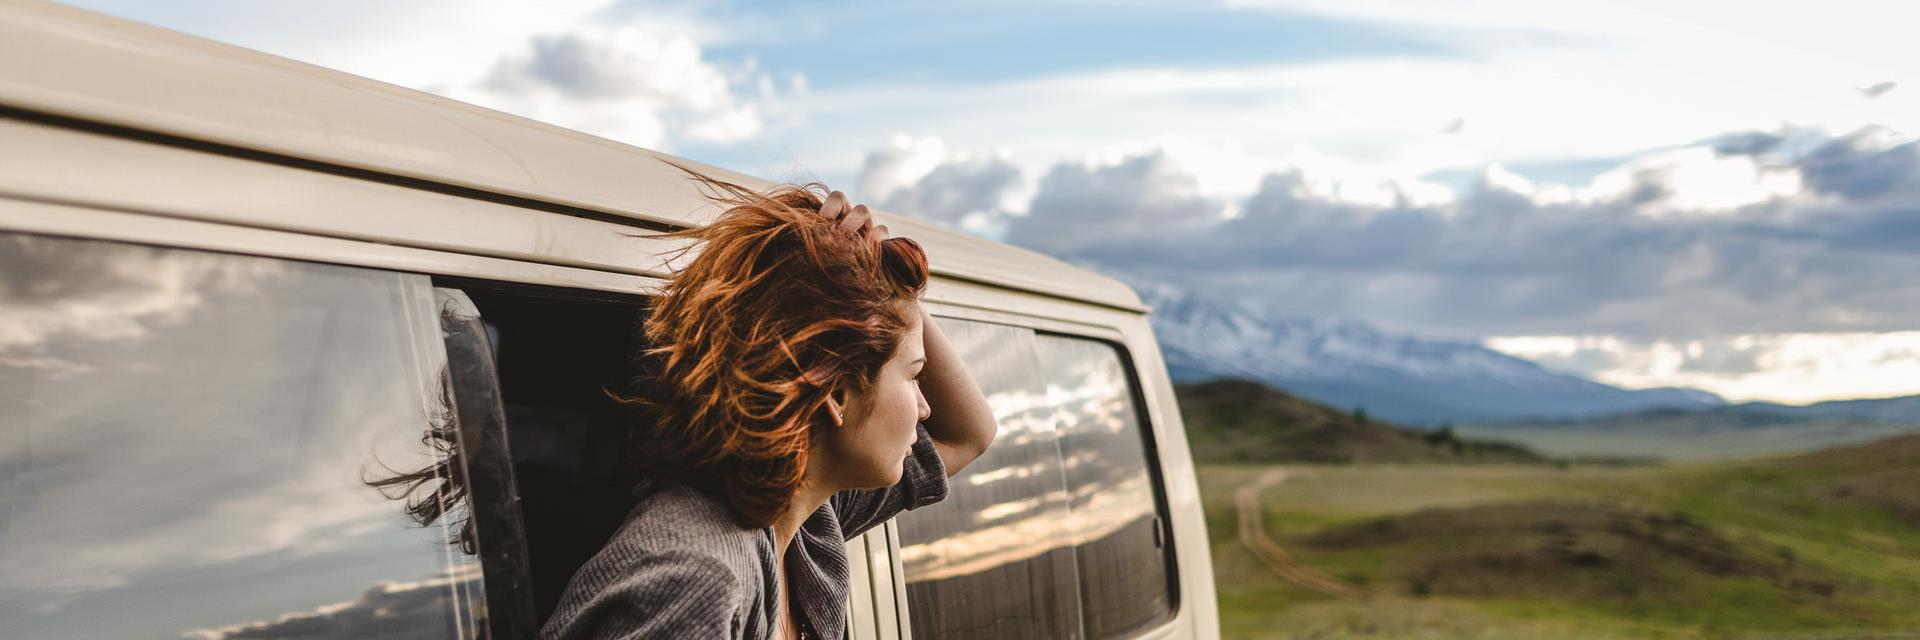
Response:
column 1053, row 532
column 185, row 441
column 992, row 560
column 1121, row 558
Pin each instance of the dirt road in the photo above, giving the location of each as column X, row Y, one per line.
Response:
column 1253, row 534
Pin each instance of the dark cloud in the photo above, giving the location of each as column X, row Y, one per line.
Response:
column 1853, row 168
column 1499, row 261
column 567, row 63
column 1878, row 89
column 955, row 190
column 1144, row 204
column 1748, row 143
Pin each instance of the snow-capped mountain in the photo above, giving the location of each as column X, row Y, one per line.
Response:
column 1350, row 364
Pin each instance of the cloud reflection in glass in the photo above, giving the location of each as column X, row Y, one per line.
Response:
column 186, row 434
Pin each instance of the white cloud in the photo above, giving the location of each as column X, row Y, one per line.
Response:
column 903, row 161
column 1792, row 368
column 1699, row 180
column 637, row 76
column 628, row 82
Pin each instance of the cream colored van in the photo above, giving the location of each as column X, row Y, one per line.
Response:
column 237, row 291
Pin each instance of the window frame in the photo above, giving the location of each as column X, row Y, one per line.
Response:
column 493, row 498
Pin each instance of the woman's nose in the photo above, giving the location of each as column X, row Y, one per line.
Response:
column 926, row 410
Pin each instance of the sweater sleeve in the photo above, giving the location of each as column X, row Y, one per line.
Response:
column 923, row 481
column 673, row 594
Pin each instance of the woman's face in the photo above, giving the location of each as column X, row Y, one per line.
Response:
column 869, row 448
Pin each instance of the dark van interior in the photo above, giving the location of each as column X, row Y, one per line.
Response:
column 555, row 353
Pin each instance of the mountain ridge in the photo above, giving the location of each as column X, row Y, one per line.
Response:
column 1413, row 381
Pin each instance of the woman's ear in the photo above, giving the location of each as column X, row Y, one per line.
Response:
column 837, row 403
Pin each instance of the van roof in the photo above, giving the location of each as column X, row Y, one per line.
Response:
column 78, row 65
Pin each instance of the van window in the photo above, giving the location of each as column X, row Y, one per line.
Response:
column 1058, row 531
column 187, row 439
column 1121, row 550
column 994, row 560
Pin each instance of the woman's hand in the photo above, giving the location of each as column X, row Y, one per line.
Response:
column 853, row 218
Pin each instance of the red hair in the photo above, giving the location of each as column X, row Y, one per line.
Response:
column 780, row 310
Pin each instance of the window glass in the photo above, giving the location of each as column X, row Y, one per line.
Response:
column 994, row 559
column 1119, row 550
column 186, row 440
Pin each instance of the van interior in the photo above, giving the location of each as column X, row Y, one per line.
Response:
column 554, row 354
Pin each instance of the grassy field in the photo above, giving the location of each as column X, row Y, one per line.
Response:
column 1822, row 545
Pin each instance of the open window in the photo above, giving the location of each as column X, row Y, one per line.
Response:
column 554, row 352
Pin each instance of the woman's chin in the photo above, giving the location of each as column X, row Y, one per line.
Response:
column 883, row 480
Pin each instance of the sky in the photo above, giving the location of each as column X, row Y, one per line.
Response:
column 1710, row 194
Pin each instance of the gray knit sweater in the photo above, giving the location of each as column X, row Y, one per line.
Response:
column 682, row 567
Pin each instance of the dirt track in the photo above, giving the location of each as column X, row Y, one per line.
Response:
column 1253, row 534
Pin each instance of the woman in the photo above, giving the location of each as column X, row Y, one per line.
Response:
column 791, row 372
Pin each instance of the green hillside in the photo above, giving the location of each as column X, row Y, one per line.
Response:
column 1235, row 420
column 1817, row 545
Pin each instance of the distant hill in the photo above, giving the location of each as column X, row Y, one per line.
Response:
column 1243, row 420
column 1411, row 381
column 1732, row 431
column 1903, row 409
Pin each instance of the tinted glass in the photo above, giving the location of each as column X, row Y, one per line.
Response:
column 185, row 439
column 1121, row 558
column 994, row 559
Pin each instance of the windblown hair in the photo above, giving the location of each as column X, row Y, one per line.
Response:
column 446, row 473
column 780, row 311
